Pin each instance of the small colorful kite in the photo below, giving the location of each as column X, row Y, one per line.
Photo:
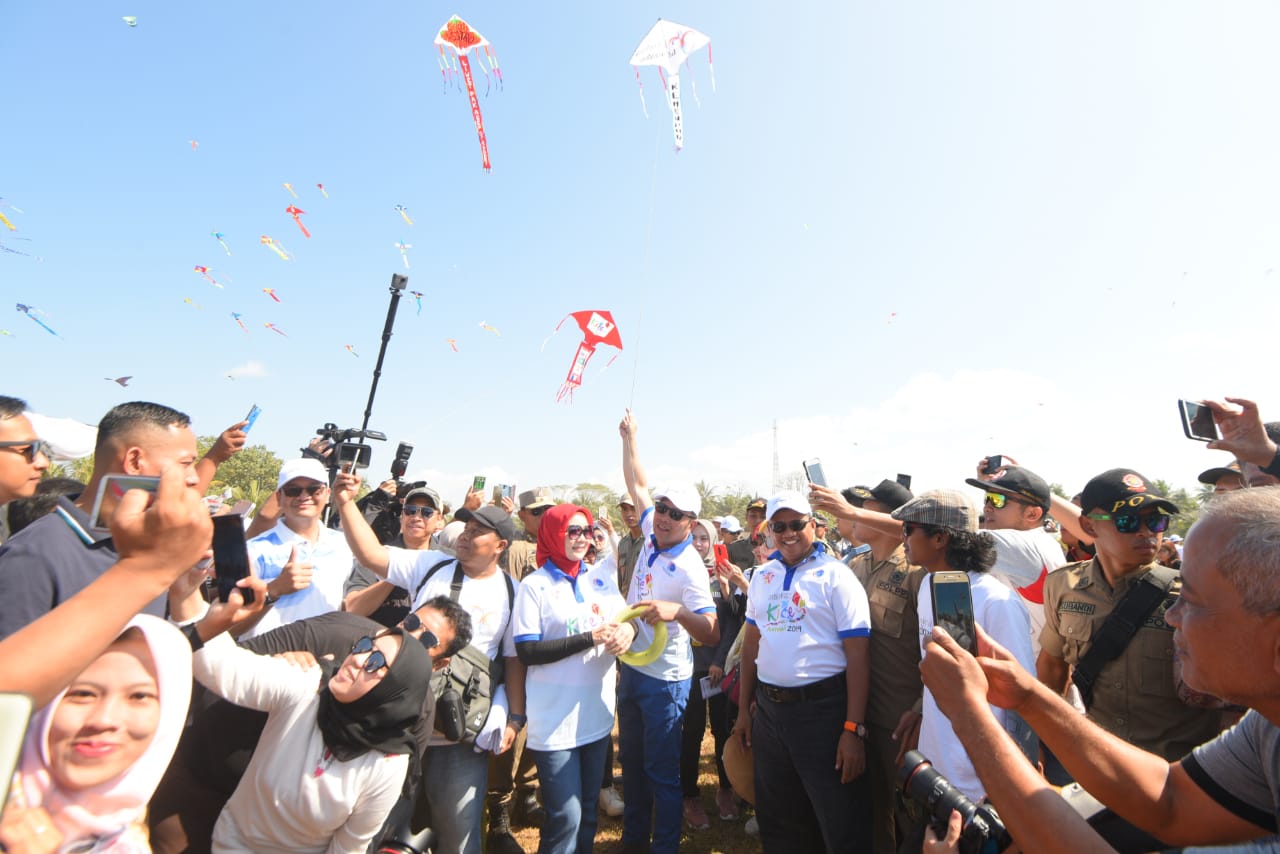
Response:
column 351, row 349
column 131, row 20
column 218, row 236
column 189, row 301
column 276, row 248
column 239, row 319
column 10, row 225
column 289, row 187
column 194, row 144
column 597, row 328
column 271, row 292
column 206, row 275
column 15, row 209
column 452, row 342
column 31, row 311
column 417, row 295
column 321, row 188
column 404, row 256
column 6, row 333
column 461, row 40
column 297, row 212
column 123, row 382
column 668, row 46
column 486, row 326
column 275, row 329
column 404, row 213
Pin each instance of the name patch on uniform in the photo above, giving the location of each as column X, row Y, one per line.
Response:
column 1077, row 608
column 890, row 587
column 1156, row 619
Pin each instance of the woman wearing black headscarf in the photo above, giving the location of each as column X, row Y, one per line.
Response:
column 337, row 744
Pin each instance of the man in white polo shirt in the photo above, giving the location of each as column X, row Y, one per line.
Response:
column 671, row 582
column 304, row 563
column 806, row 660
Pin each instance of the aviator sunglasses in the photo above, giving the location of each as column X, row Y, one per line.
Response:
column 1128, row 523
column 28, row 448
column 295, row 491
column 796, row 525
column 676, row 515
column 575, row 531
column 418, row 510
column 376, row 660
column 998, row 500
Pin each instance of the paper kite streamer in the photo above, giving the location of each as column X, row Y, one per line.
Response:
column 404, row 256
column 122, row 381
column 462, row 40
column 404, row 213
column 275, row 329
column 289, row 187
column 8, row 224
column 321, row 188
column 218, row 236
column 668, row 46
column 131, row 20
column 351, row 349
column 189, row 301
column 271, row 292
column 31, row 312
column 452, row 342
column 597, row 328
column 486, row 326
column 205, row 274
column 297, row 212
column 417, row 295
column 276, row 248
column 239, row 319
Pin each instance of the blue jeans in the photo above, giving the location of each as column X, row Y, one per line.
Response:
column 650, row 721
column 570, row 781
column 454, row 779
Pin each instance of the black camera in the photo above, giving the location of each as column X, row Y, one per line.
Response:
column 451, row 716
column 355, row 454
column 401, row 839
column 923, row 786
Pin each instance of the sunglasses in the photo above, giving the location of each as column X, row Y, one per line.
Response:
column 418, row 510
column 909, row 528
column 1129, row 523
column 376, row 660
column 676, row 515
column 537, row 511
column 796, row 525
column 295, row 491
column 28, row 448
column 575, row 531
column 998, row 500
column 413, row 623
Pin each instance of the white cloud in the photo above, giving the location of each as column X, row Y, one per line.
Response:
column 248, row 369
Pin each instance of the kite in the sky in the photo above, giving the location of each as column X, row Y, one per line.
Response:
column 404, row 213
column 597, row 328
column 668, row 46
column 289, row 187
column 6, row 333
column 321, row 188
column 275, row 329
column 404, row 256
column 31, row 311
column 4, row 204
column 189, row 301
column 271, row 292
column 194, row 144
column 417, row 295
column 206, row 275
column 131, row 20
column 10, row 225
column 452, row 342
column 4, row 248
column 461, row 40
column 123, row 382
column 350, row 348
column 297, row 212
column 276, row 248
column 218, row 236
column 239, row 319
column 486, row 326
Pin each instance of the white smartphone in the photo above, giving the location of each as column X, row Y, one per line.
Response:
column 116, row 485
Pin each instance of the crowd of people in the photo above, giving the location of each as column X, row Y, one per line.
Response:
column 386, row 669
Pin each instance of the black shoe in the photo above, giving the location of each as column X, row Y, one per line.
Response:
column 528, row 811
column 499, row 839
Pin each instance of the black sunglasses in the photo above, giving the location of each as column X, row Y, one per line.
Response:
column 295, row 491
column 418, row 510
column 376, row 660
column 537, row 511
column 428, row 638
column 676, row 515
column 909, row 528
column 28, row 448
column 794, row 525
column 1128, row 523
column 577, row 531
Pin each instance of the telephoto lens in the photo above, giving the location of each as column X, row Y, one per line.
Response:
column 923, row 784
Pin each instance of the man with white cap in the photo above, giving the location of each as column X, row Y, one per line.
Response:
column 304, row 563
column 670, row 582
column 739, row 549
column 806, row 663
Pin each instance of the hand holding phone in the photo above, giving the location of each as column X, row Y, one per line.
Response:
column 1197, row 421
column 110, row 490
column 477, row 484
column 995, row 462
column 721, row 552
column 813, row 471
column 953, row 607
column 254, row 412
column 230, row 556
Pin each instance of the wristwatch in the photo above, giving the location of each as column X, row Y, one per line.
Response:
column 517, row 720
column 856, row 728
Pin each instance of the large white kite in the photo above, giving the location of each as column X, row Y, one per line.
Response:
column 668, row 46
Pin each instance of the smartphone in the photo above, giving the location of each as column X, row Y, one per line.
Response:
column 953, row 607
column 721, row 553
column 497, row 493
column 904, row 480
column 995, row 462
column 509, row 491
column 254, row 412
column 1197, row 421
column 813, row 471
column 477, row 485
column 355, row 455
column 230, row 556
column 116, row 485
column 15, row 716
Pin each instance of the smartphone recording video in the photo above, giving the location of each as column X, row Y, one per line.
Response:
column 1197, row 421
column 230, row 556
column 110, row 491
column 813, row 471
column 953, row 607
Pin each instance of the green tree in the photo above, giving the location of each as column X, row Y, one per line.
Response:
column 250, row 474
column 81, row 469
column 1188, row 506
column 1058, row 490
column 593, row 496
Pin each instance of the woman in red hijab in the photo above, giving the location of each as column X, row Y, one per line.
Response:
column 567, row 634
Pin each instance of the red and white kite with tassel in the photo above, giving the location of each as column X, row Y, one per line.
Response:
column 462, row 40
column 668, row 46
column 597, row 328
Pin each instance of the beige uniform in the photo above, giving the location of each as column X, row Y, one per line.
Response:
column 629, row 548
column 520, row 558
column 1133, row 695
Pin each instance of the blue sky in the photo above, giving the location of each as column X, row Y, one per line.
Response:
column 913, row 234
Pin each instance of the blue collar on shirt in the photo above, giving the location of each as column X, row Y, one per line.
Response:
column 558, row 573
column 818, row 549
column 672, row 552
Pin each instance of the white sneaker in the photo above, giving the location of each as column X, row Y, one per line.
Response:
column 611, row 802
column 752, row 827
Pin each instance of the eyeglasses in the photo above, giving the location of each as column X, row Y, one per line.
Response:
column 998, row 500
column 418, row 510
column 575, row 531
column 376, row 660
column 1128, row 523
column 676, row 515
column 796, row 525
column 412, row 623
column 537, row 511
column 295, row 491
column 28, row 448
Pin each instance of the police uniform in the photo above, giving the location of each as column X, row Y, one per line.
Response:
column 892, row 586
column 520, row 558
column 1134, row 695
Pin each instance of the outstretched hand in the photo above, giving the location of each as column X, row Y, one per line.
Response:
column 1243, row 433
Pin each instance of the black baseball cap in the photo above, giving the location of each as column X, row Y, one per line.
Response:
column 1120, row 489
column 1213, row 475
column 890, row 493
column 496, row 518
column 757, row 504
column 1017, row 482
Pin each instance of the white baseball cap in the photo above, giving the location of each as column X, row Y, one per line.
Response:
column 302, row 467
column 731, row 524
column 682, row 495
column 788, row 501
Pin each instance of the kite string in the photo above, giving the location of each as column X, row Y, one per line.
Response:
column 644, row 268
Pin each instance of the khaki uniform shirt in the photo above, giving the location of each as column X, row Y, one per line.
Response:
column 520, row 558
column 892, row 586
column 1133, row 696
column 628, row 552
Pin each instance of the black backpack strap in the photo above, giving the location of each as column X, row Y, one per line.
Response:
column 431, row 572
column 1120, row 627
column 455, row 586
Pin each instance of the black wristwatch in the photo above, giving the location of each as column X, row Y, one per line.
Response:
column 518, row 720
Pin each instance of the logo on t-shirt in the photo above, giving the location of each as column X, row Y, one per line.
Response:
column 783, row 613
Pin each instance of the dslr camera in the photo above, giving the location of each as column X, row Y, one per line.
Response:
column 927, row 791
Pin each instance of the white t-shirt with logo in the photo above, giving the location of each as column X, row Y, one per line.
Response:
column 674, row 575
column 569, row 702
column 1023, row 560
column 803, row 614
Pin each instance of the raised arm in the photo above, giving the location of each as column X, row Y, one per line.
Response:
column 229, row 443
column 364, row 544
column 632, row 472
